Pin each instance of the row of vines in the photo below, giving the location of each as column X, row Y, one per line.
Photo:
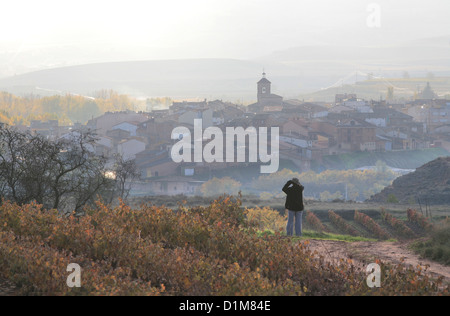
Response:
column 392, row 227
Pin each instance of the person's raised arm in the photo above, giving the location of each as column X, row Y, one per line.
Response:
column 286, row 186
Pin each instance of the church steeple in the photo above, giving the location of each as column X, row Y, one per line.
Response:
column 264, row 87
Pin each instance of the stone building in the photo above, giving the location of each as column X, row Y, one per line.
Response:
column 266, row 99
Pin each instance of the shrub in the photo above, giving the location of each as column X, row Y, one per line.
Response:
column 392, row 199
column 266, row 219
column 419, row 219
column 437, row 248
column 157, row 251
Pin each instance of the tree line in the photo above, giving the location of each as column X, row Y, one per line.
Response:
column 67, row 109
column 355, row 185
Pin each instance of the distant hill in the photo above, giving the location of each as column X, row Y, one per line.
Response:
column 425, row 50
column 430, row 183
column 309, row 72
column 374, row 89
column 346, row 68
column 196, row 78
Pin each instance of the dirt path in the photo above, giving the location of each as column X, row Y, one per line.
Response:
column 364, row 253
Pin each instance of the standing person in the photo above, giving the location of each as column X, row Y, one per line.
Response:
column 294, row 204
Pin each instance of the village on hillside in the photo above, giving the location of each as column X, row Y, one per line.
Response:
column 308, row 132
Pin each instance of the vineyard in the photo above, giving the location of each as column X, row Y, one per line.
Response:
column 387, row 227
column 212, row 250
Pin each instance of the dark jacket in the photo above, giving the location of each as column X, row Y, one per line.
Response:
column 294, row 200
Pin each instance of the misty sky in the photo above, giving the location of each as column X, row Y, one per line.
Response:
column 215, row 28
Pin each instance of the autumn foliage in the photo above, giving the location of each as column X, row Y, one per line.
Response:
column 371, row 225
column 314, row 222
column 339, row 222
column 67, row 109
column 399, row 226
column 419, row 219
column 266, row 219
column 211, row 250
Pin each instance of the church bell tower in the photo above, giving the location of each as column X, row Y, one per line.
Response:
column 264, row 88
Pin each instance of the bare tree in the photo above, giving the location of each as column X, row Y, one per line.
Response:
column 123, row 173
column 64, row 174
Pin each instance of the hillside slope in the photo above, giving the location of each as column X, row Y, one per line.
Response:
column 411, row 159
column 313, row 73
column 429, row 183
column 189, row 78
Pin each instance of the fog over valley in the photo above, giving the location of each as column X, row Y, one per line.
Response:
column 214, row 49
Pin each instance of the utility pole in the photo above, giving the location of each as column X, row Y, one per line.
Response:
column 346, row 192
